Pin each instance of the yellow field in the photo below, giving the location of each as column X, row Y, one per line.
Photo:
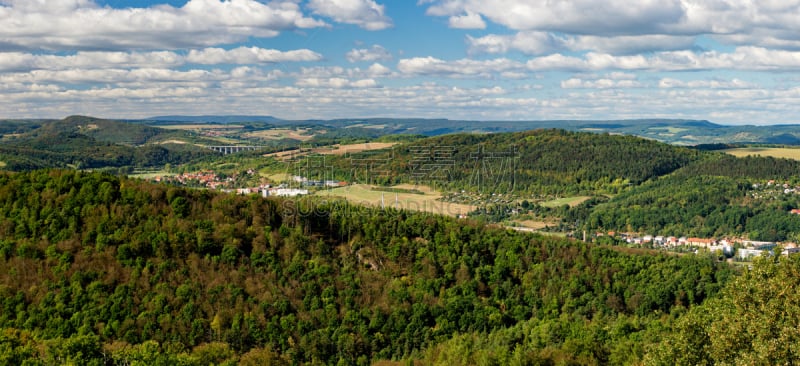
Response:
column 332, row 150
column 357, row 148
column 2, row 164
column 428, row 202
column 571, row 201
column 776, row 152
column 281, row 133
column 151, row 175
column 535, row 225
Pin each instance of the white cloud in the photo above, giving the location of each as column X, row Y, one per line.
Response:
column 459, row 68
column 469, row 20
column 82, row 25
column 537, row 43
column 374, row 53
column 249, row 55
column 600, row 83
column 569, row 16
column 742, row 58
column 377, row 69
column 624, row 27
column 669, row 83
column 366, row 14
column 18, row 61
column 335, row 83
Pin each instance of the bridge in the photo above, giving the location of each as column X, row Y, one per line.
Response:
column 233, row 148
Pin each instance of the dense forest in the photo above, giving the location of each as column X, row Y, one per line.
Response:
column 714, row 197
column 91, row 143
column 102, row 270
column 531, row 162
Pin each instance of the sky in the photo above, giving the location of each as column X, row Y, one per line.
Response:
column 727, row 61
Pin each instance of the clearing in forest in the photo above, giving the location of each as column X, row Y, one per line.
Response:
column 428, row 202
column 775, row 152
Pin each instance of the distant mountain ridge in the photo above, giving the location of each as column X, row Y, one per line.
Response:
column 673, row 131
column 215, row 119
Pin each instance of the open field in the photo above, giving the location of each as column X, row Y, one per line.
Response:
column 534, row 225
column 332, row 150
column 428, row 202
column 357, row 148
column 300, row 134
column 179, row 142
column 277, row 177
column 151, row 174
column 2, row 164
column 571, row 201
column 776, row 152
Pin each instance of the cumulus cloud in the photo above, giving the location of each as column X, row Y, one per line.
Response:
column 336, row 83
column 623, row 27
column 469, row 20
column 249, row 55
column 374, row 53
column 459, row 68
column 537, row 43
column 669, row 83
column 742, row 58
column 18, row 61
column 366, row 14
column 613, row 80
column 62, row 24
column 569, row 16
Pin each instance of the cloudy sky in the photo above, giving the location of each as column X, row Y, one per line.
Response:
column 728, row 61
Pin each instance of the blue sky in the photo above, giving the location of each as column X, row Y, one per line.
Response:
column 728, row 61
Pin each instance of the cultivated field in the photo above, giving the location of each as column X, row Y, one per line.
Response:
column 776, row 152
column 571, row 201
column 300, row 134
column 534, row 225
column 357, row 148
column 427, row 202
column 332, row 150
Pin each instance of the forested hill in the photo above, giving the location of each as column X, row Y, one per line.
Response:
column 539, row 161
column 95, row 269
column 86, row 142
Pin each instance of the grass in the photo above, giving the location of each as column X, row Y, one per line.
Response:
column 571, row 201
column 776, row 152
column 426, row 202
column 151, row 174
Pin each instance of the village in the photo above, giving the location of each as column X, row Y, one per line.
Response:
column 297, row 186
column 735, row 248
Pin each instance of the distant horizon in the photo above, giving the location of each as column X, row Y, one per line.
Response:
column 257, row 116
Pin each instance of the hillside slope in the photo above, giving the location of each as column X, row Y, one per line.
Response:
column 94, row 269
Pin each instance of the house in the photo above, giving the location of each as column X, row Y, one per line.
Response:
column 748, row 253
column 284, row 192
column 701, row 242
